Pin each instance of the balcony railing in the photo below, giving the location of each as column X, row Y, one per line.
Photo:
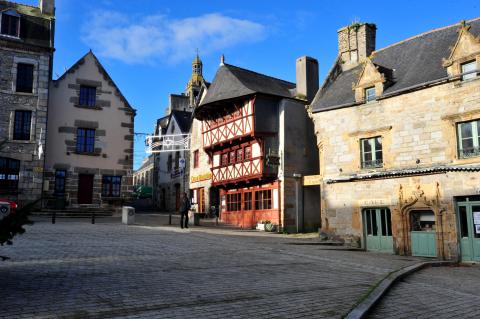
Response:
column 373, row 164
column 469, row 152
column 236, row 172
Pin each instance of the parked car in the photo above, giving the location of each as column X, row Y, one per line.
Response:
column 7, row 207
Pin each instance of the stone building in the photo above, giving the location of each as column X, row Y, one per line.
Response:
column 89, row 154
column 398, row 135
column 144, row 175
column 172, row 164
column 26, row 51
column 257, row 133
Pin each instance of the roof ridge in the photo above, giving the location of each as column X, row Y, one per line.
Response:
column 20, row 4
column 258, row 73
column 423, row 34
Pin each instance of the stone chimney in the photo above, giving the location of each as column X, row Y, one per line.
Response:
column 47, row 6
column 307, row 77
column 355, row 43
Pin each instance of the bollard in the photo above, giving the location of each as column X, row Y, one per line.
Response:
column 53, row 217
column 170, row 219
column 93, row 217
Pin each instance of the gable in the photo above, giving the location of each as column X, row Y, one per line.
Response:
column 370, row 75
column 466, row 46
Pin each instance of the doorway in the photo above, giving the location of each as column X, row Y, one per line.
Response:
column 469, row 230
column 85, row 189
column 423, row 234
column 377, row 223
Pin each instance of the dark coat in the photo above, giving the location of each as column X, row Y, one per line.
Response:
column 185, row 205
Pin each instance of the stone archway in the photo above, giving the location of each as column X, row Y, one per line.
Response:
column 418, row 200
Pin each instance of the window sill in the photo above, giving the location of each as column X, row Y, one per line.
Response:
column 88, row 153
column 25, row 93
column 10, row 37
column 94, row 108
column 21, row 141
column 460, row 82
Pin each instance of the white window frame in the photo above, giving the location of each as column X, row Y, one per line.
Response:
column 475, row 138
column 370, row 89
column 14, row 13
column 371, row 141
column 469, row 65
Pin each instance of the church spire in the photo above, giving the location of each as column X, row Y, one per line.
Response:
column 196, row 80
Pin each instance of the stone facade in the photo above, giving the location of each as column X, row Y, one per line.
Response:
column 111, row 118
column 422, row 167
column 28, row 152
column 144, row 175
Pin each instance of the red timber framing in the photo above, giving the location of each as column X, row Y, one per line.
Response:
column 236, row 124
column 245, row 207
column 239, row 163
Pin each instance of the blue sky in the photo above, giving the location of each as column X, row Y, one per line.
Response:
column 147, row 45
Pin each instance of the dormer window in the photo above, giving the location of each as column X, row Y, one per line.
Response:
column 10, row 23
column 370, row 94
column 469, row 67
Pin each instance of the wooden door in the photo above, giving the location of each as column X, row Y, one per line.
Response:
column 378, row 229
column 423, row 234
column 85, row 189
column 469, row 220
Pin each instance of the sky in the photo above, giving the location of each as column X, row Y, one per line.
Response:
column 147, row 45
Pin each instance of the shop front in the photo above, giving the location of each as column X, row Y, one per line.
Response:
column 469, row 230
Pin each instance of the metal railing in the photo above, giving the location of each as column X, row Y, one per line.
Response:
column 469, row 152
column 373, row 164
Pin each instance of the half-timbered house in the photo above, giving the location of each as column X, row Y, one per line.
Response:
column 260, row 140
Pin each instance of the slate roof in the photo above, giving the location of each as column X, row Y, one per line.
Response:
column 414, row 61
column 232, row 82
column 184, row 120
column 35, row 27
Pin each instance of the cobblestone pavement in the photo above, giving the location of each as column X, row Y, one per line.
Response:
column 446, row 292
column 108, row 270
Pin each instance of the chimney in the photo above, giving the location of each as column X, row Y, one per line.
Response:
column 47, row 7
column 355, row 43
column 307, row 77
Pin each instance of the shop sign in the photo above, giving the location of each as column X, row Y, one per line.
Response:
column 311, row 180
column 202, row 177
column 375, row 202
column 476, row 218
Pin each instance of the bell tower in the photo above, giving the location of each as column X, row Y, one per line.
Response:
column 196, row 80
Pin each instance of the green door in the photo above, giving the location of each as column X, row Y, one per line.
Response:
column 469, row 229
column 377, row 223
column 422, row 234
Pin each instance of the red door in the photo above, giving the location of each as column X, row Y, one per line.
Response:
column 85, row 189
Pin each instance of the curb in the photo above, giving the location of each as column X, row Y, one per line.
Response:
column 374, row 296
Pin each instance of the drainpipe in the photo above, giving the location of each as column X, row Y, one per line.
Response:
column 298, row 202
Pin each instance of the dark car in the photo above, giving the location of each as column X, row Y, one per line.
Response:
column 7, row 207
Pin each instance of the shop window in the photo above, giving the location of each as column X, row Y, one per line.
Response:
column 470, row 66
column 60, row 176
column 9, row 175
column 234, row 202
column 85, row 140
column 24, row 78
column 111, row 186
column 263, row 199
column 247, row 201
column 463, row 221
column 22, row 124
column 88, row 95
column 371, row 149
column 10, row 24
column 468, row 139
column 423, row 221
column 196, row 156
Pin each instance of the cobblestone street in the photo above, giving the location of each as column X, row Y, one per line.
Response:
column 109, row 270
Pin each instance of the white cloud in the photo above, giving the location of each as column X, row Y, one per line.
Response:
column 148, row 39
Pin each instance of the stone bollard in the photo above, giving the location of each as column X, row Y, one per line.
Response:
column 128, row 215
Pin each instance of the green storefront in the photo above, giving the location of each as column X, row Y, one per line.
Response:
column 468, row 213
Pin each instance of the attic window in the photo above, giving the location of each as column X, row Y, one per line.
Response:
column 469, row 67
column 10, row 23
column 370, row 94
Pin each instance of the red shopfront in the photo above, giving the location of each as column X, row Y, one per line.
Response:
column 245, row 207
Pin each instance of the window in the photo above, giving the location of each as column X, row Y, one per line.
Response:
column 177, row 160
column 247, row 201
column 85, row 140
column 195, row 159
column 111, row 186
column 248, row 152
column 263, row 199
column 232, row 157
column 169, row 163
column 370, row 94
column 372, row 152
column 24, row 78
column 234, row 202
column 10, row 24
column 239, row 155
column 224, row 159
column 9, row 175
column 22, row 124
column 60, row 182
column 469, row 67
column 88, row 95
column 468, row 139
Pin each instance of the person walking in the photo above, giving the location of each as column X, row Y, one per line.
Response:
column 184, row 208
